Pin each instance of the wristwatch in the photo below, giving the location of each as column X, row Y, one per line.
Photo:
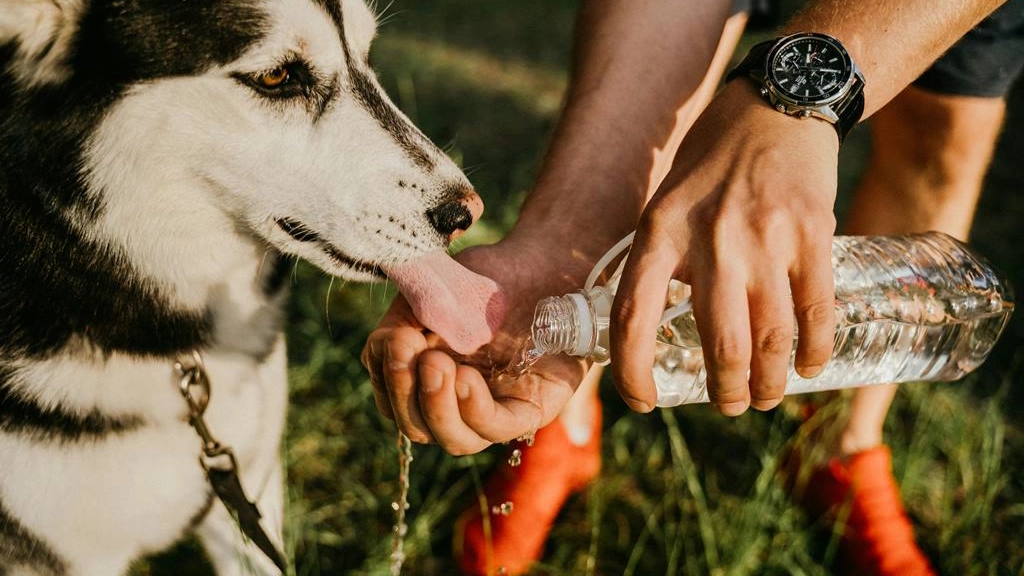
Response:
column 807, row 75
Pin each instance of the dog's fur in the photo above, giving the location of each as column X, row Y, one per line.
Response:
column 150, row 191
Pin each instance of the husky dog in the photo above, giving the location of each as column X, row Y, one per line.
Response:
column 158, row 161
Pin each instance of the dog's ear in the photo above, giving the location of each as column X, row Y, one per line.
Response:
column 40, row 32
column 360, row 25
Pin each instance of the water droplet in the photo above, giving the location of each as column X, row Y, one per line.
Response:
column 516, row 458
column 528, row 438
column 395, row 506
column 502, row 570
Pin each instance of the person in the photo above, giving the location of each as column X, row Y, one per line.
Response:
column 743, row 215
column 565, row 455
column 931, row 147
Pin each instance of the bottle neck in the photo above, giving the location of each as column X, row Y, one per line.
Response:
column 574, row 324
column 556, row 326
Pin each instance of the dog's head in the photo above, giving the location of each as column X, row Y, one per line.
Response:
column 265, row 111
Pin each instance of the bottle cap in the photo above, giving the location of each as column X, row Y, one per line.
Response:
column 586, row 332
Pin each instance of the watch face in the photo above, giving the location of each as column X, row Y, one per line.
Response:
column 809, row 69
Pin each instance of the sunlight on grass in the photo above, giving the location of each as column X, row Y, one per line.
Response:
column 538, row 90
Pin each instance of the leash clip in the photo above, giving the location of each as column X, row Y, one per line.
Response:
column 194, row 386
column 194, row 383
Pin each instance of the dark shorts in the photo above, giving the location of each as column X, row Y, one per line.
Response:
column 985, row 62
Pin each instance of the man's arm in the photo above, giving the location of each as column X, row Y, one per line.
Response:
column 640, row 77
column 892, row 42
column 638, row 82
column 746, row 214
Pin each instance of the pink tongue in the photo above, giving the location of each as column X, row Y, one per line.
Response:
column 463, row 308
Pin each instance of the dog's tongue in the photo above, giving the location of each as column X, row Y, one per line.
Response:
column 463, row 308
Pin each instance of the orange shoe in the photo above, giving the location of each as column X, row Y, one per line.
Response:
column 878, row 538
column 550, row 471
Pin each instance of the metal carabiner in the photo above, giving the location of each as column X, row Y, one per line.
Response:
column 194, row 384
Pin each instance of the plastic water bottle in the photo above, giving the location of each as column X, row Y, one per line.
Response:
column 908, row 308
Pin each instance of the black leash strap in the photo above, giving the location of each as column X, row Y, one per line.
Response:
column 229, row 489
column 219, row 460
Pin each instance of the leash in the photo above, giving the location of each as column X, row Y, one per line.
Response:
column 219, row 461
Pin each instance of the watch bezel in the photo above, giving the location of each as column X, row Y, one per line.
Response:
column 810, row 102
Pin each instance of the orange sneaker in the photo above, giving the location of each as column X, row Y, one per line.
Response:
column 549, row 472
column 878, row 538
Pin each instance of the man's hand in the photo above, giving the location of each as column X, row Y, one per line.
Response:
column 745, row 217
column 461, row 403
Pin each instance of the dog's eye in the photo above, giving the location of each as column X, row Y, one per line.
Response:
column 273, row 79
column 285, row 81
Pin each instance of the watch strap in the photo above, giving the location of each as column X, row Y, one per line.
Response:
column 850, row 108
column 755, row 62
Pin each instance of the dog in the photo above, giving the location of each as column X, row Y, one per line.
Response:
column 161, row 163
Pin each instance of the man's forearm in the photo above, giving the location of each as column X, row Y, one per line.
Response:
column 637, row 69
column 893, row 42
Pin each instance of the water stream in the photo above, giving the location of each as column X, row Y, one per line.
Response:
column 518, row 367
column 401, row 505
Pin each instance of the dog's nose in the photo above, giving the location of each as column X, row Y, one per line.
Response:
column 456, row 216
column 450, row 217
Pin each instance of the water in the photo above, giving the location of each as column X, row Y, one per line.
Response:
column 528, row 438
column 518, row 367
column 522, row 361
column 402, row 505
column 865, row 353
column 908, row 308
column 918, row 308
column 503, row 509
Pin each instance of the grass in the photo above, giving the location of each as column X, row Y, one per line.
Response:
column 683, row 491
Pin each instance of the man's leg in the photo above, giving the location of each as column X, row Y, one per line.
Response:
column 929, row 156
column 931, row 148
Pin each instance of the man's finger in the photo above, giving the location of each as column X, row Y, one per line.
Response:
column 813, row 288
column 372, row 358
column 721, row 312
column 771, row 322
column 440, row 407
column 639, row 303
column 401, row 350
column 504, row 418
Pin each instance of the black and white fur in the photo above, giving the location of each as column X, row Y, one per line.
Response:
column 150, row 189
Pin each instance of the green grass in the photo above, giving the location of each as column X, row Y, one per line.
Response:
column 682, row 491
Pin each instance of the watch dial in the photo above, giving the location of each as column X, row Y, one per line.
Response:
column 809, row 69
